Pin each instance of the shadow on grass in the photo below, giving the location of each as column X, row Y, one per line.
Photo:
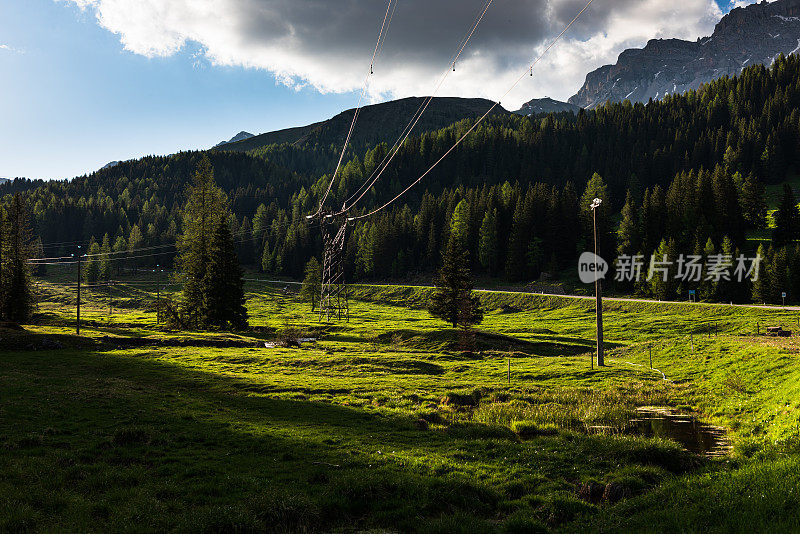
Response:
column 114, row 440
column 479, row 341
column 230, row 461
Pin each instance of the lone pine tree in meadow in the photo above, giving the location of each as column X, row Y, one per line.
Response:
column 223, row 287
column 213, row 290
column 453, row 299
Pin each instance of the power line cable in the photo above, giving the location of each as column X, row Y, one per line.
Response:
column 46, row 261
column 378, row 46
column 479, row 121
column 379, row 170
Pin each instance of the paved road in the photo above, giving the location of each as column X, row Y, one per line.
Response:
column 650, row 301
column 575, row 297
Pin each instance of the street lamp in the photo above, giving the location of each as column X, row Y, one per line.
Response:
column 598, row 289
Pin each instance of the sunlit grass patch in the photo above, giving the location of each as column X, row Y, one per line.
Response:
column 388, row 422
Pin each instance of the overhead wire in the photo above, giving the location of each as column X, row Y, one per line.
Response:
column 155, row 247
column 46, row 261
column 478, row 122
column 423, row 107
column 378, row 47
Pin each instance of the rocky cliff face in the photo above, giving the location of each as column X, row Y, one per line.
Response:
column 747, row 36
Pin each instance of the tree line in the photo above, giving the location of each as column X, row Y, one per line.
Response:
column 681, row 172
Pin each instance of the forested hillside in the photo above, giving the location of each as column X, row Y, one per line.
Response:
column 316, row 148
column 689, row 171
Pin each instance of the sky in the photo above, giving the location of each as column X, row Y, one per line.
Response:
column 86, row 82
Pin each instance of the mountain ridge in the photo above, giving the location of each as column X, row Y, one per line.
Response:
column 392, row 117
column 241, row 136
column 746, row 36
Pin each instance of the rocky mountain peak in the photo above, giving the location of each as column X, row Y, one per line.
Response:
column 746, row 36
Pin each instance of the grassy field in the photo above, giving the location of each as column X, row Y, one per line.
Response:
column 393, row 422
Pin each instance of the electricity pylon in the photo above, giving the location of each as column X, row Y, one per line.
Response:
column 334, row 299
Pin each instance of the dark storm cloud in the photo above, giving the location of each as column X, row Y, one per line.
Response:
column 328, row 44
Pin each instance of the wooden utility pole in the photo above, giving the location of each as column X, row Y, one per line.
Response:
column 598, row 289
column 158, row 296
column 78, row 321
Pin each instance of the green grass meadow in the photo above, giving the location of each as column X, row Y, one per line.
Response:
column 393, row 422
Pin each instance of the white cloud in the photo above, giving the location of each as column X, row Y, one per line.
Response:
column 743, row 3
column 11, row 49
column 327, row 44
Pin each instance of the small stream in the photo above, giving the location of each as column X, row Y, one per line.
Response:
column 694, row 436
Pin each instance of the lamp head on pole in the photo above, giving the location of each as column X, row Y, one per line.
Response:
column 595, row 203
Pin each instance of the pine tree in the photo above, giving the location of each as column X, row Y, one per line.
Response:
column 487, row 244
column 312, row 283
column 753, row 205
column 535, row 257
column 222, row 285
column 18, row 292
column 628, row 233
column 787, row 219
column 520, row 233
column 726, row 289
column 761, row 282
column 728, row 216
column 105, row 259
column 460, row 222
column 120, row 246
column 206, row 207
column 661, row 288
column 707, row 290
column 453, row 299
column 778, row 268
column 135, row 241
column 91, row 270
column 260, row 229
column 267, row 259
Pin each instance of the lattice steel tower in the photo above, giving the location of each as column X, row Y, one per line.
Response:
column 334, row 299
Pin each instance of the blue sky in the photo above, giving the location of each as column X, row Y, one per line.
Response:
column 77, row 93
column 72, row 99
